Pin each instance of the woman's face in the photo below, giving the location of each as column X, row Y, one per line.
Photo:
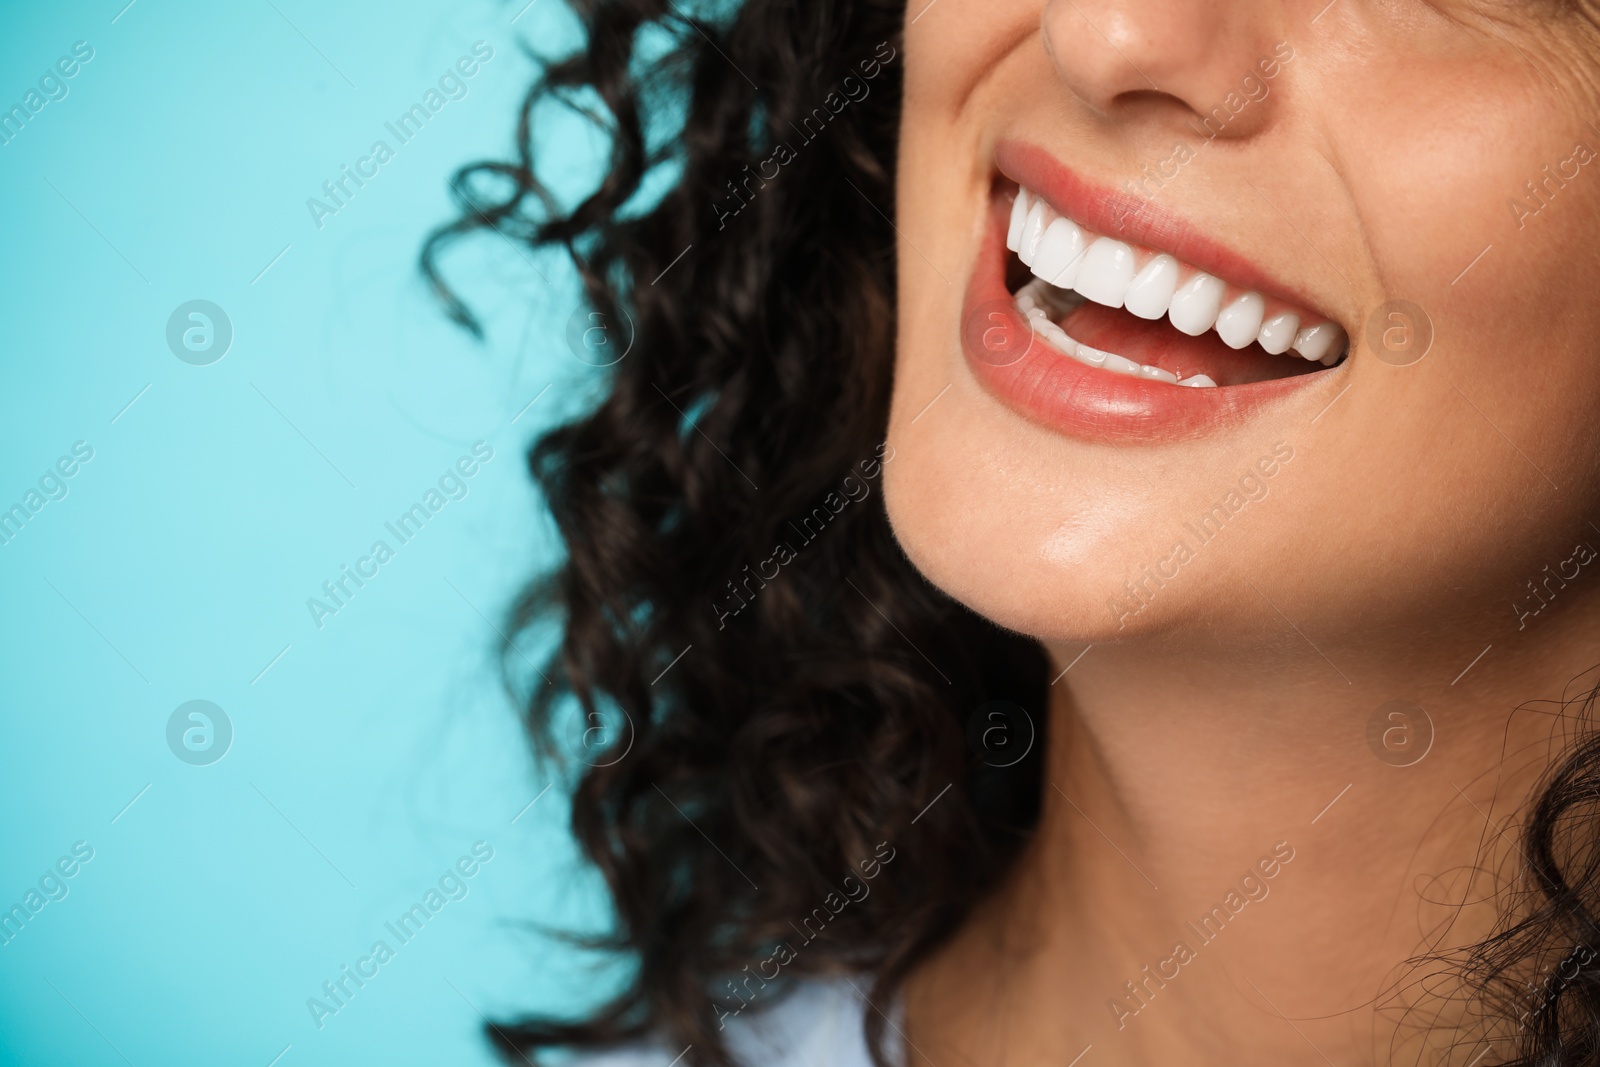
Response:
column 1420, row 180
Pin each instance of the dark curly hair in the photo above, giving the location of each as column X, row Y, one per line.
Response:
column 790, row 731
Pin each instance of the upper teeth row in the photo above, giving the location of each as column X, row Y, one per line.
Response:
column 1112, row 273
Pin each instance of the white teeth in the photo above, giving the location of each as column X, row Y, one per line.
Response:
column 1122, row 365
column 1107, row 269
column 1039, row 320
column 1033, row 302
column 1240, row 321
column 1071, row 265
column 1019, row 213
column 1277, row 333
column 1060, row 254
column 1315, row 342
column 1195, row 306
column 1056, row 336
column 1151, row 290
column 1033, row 226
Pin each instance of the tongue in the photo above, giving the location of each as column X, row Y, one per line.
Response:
column 1159, row 344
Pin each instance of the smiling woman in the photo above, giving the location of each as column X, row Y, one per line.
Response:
column 1229, row 408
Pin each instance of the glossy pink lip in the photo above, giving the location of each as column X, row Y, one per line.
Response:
column 1046, row 386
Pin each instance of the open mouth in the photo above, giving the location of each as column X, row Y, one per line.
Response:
column 1144, row 313
column 1102, row 315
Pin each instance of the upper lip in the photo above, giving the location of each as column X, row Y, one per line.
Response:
column 1112, row 213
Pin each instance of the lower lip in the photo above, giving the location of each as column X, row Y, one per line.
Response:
column 1050, row 388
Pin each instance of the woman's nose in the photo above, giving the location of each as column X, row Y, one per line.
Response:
column 1184, row 57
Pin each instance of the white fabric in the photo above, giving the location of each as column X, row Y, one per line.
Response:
column 819, row 1024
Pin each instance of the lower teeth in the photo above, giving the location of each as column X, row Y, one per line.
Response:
column 1043, row 304
column 1030, row 299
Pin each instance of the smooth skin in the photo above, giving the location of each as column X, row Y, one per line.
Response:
column 1225, row 715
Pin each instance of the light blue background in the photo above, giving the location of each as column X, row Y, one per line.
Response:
column 371, row 753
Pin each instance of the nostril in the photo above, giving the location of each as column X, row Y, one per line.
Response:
column 1138, row 99
column 1204, row 63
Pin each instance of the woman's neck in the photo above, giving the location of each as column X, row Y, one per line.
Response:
column 1240, row 853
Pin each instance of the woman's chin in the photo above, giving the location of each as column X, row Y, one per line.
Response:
column 1027, row 582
